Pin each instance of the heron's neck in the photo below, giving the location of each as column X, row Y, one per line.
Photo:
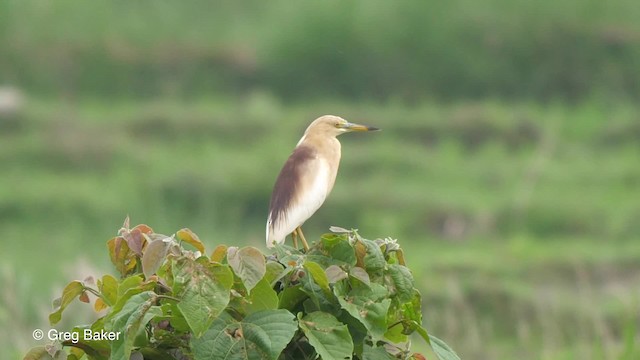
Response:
column 326, row 147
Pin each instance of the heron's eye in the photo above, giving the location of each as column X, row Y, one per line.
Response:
column 337, row 125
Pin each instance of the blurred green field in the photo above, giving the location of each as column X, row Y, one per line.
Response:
column 359, row 49
column 520, row 221
column 508, row 164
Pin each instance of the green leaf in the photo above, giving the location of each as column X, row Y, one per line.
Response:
column 442, row 350
column 154, row 255
column 75, row 353
column 338, row 248
column 357, row 331
column 396, row 333
column 248, row 263
column 135, row 314
column 405, row 317
column 129, row 287
column 360, row 274
column 367, row 304
column 328, row 336
column 402, row 281
column 373, row 259
column 69, row 293
column 321, row 298
column 108, row 287
column 291, row 296
column 275, row 272
column 204, row 289
column 176, row 320
column 261, row 335
column 190, row 238
column 262, row 297
column 375, row 353
column 420, row 330
column 129, row 283
column 330, row 240
column 412, row 310
column 319, row 276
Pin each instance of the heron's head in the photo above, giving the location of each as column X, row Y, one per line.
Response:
column 330, row 125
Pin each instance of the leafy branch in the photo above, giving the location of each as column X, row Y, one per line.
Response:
column 346, row 297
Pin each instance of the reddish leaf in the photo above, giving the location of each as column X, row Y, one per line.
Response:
column 84, row 297
column 135, row 240
column 154, row 256
column 143, row 228
column 361, row 252
column 123, row 258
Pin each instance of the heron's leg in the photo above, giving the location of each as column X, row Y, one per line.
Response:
column 294, row 236
column 304, row 241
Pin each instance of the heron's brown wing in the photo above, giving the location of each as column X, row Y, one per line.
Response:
column 289, row 182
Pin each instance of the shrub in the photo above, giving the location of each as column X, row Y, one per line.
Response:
column 346, row 297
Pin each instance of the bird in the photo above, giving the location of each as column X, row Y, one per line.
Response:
column 306, row 179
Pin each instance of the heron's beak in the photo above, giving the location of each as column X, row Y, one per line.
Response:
column 358, row 127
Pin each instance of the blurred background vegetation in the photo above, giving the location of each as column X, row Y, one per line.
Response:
column 509, row 164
